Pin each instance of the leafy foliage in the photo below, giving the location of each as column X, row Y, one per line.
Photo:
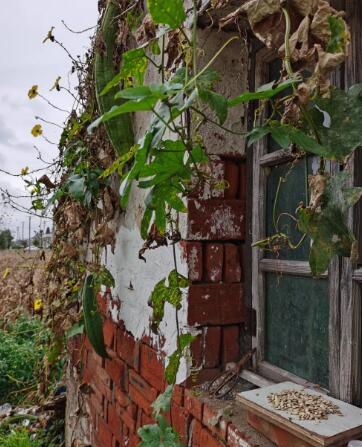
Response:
column 339, row 119
column 19, row 438
column 163, row 294
column 174, row 360
column 23, row 346
column 327, row 227
column 167, row 12
column 159, row 435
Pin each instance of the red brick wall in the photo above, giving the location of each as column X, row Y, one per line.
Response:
column 120, row 390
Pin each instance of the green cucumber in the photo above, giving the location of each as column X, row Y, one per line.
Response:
column 119, row 129
column 92, row 318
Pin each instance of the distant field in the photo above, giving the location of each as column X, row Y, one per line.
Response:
column 22, row 280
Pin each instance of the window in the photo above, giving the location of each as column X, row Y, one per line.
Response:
column 308, row 330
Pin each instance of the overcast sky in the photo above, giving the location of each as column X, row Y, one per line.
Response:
column 25, row 61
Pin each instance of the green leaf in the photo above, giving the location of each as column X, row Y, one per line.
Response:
column 184, row 341
column 216, row 102
column 281, row 136
column 339, row 35
column 92, row 318
column 76, row 329
column 327, row 226
column 173, row 367
column 167, row 12
column 145, row 224
column 266, row 91
column 257, row 134
column 134, row 65
column 177, row 280
column 142, row 105
column 157, row 302
column 198, row 155
column 158, row 435
column 163, row 402
column 338, row 120
column 76, row 186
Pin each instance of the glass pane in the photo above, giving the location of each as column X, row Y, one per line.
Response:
column 297, row 315
column 291, row 193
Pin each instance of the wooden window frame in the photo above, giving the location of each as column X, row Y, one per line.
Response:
column 345, row 283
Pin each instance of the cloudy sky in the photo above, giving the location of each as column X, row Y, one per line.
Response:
column 26, row 61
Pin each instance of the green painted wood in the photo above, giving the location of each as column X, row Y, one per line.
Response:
column 297, row 315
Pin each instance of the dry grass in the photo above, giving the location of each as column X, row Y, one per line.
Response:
column 22, row 280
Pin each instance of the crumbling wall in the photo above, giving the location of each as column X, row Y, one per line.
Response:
column 120, row 390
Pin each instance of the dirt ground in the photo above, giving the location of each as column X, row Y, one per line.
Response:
column 22, row 281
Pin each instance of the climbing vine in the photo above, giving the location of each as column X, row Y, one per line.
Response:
column 301, row 111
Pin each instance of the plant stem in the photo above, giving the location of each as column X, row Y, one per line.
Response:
column 191, row 81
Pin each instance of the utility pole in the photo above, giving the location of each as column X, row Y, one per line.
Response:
column 29, row 233
column 22, row 231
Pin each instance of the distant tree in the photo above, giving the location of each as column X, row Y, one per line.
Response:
column 5, row 239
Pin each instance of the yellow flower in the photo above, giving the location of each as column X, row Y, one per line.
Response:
column 33, row 92
column 24, row 171
column 56, row 85
column 38, row 304
column 6, row 273
column 50, row 35
column 37, row 130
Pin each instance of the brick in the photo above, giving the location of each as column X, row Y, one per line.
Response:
column 213, row 420
column 178, row 395
column 133, row 441
column 214, row 258
column 127, row 418
column 113, row 421
column 132, row 410
column 194, row 258
column 201, row 437
column 232, row 178
column 121, row 397
column 181, row 420
column 236, row 438
column 196, row 349
column 140, row 400
column 212, row 346
column 193, row 404
column 115, row 369
column 146, row 420
column 216, row 219
column 152, row 368
column 103, row 304
column 217, row 304
column 242, row 181
column 104, row 435
column 127, row 348
column 232, row 263
column 215, row 170
column 230, row 344
column 109, row 332
column 95, row 401
column 142, row 386
column 202, row 376
column 101, row 388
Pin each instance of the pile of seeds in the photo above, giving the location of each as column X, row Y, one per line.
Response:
column 308, row 407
